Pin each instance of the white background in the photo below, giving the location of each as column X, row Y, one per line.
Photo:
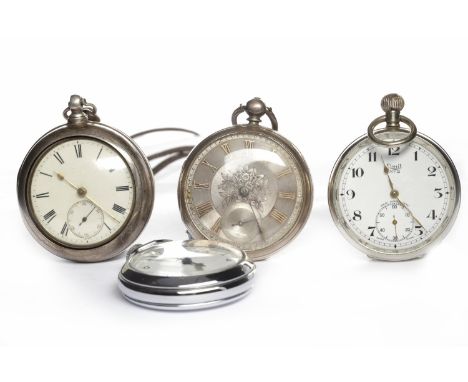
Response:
column 319, row 308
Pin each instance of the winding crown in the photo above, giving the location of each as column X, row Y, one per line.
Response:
column 392, row 102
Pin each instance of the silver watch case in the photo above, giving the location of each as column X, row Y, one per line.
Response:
column 341, row 223
column 288, row 146
column 139, row 168
column 159, row 275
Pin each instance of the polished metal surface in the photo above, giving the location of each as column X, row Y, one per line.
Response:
column 392, row 104
column 187, row 275
column 82, row 122
column 243, row 187
column 255, row 109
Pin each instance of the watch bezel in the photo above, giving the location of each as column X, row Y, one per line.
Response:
column 143, row 193
column 346, row 231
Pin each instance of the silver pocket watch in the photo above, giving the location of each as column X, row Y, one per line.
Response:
column 185, row 275
column 85, row 189
column 246, row 185
column 394, row 192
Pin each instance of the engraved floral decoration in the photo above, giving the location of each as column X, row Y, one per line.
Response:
column 244, row 185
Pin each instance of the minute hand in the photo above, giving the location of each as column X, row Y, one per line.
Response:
column 411, row 213
column 395, row 194
column 61, row 177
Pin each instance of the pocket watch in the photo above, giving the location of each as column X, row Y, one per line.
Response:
column 246, row 185
column 187, row 275
column 394, row 192
column 85, row 189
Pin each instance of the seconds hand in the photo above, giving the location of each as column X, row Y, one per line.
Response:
column 395, row 222
column 85, row 218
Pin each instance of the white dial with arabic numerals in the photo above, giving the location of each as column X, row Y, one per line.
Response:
column 81, row 192
column 394, row 200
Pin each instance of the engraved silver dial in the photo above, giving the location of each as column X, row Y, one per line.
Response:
column 247, row 188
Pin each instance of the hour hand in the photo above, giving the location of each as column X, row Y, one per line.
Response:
column 386, row 172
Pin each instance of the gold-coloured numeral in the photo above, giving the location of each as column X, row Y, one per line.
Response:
column 278, row 216
column 285, row 172
column 204, row 208
column 216, row 226
column 249, row 144
column 287, row 195
column 213, row 168
column 226, row 148
column 205, row 186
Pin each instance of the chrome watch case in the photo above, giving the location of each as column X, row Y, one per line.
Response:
column 185, row 275
column 255, row 109
column 82, row 122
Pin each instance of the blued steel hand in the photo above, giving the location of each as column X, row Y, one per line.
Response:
column 85, row 218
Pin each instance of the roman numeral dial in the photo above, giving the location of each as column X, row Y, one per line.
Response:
column 204, row 208
column 226, row 148
column 287, row 195
column 249, row 144
column 278, row 216
column 246, row 189
column 119, row 209
column 284, row 172
column 201, row 186
column 81, row 192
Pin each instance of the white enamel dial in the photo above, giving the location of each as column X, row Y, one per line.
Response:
column 245, row 189
column 81, row 192
column 394, row 200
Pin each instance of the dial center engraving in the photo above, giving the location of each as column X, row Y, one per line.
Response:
column 243, row 185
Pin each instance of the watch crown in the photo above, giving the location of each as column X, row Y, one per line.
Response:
column 255, row 107
column 391, row 102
